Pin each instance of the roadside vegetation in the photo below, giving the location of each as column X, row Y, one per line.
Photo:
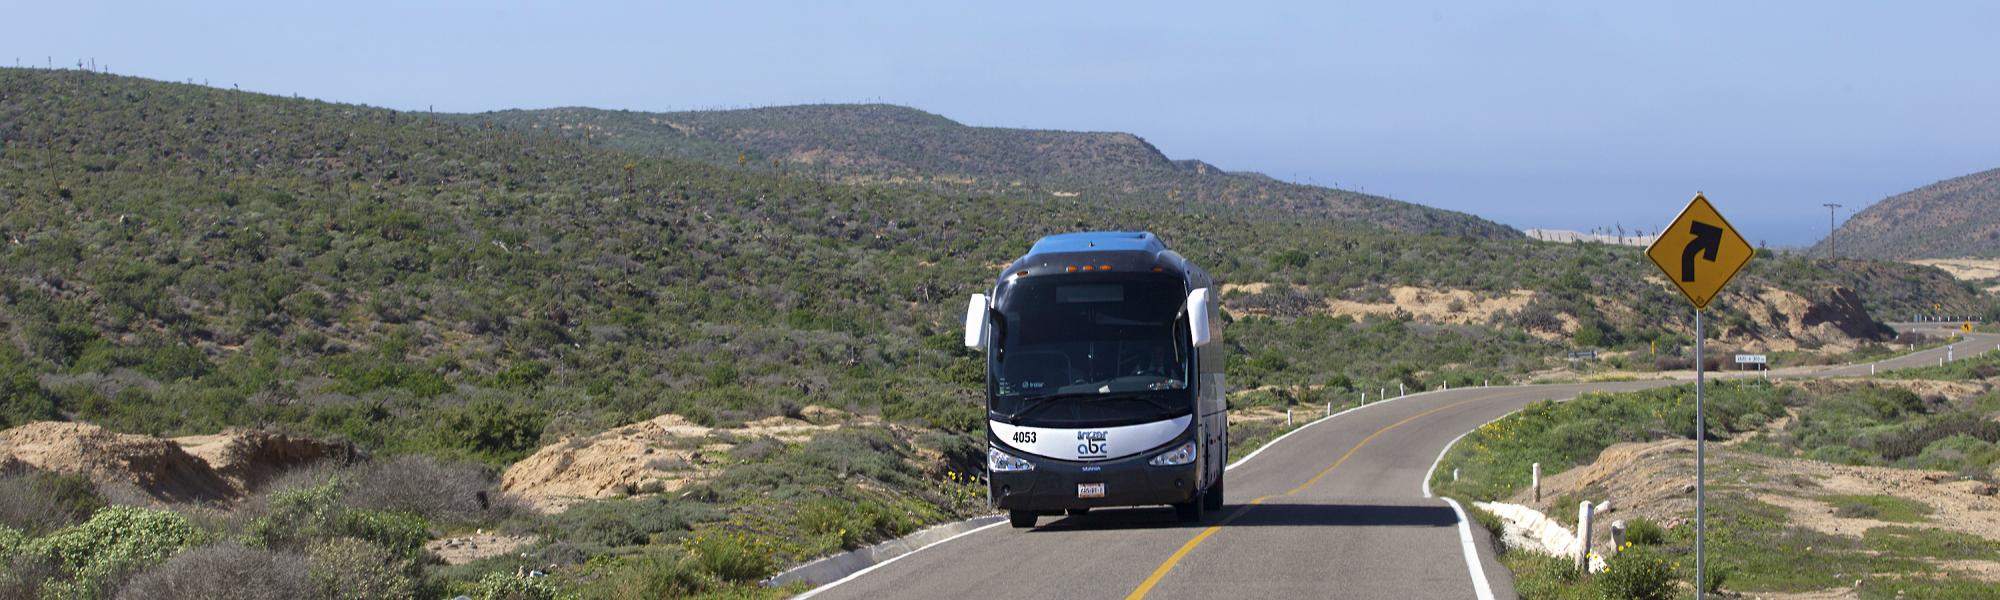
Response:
column 1755, row 547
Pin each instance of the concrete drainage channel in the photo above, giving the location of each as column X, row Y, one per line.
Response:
column 853, row 562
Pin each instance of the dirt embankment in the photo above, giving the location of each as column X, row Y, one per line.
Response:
column 1656, row 480
column 194, row 469
column 1777, row 319
column 660, row 455
column 1782, row 320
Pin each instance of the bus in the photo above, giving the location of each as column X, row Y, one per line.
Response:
column 1103, row 379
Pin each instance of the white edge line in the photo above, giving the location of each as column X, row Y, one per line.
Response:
column 815, row 591
column 1480, row 586
column 1260, row 450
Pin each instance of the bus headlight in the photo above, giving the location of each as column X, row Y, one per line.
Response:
column 1001, row 462
column 1181, row 455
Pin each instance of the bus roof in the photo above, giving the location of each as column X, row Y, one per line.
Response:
column 1099, row 241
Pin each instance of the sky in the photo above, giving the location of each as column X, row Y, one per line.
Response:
column 1567, row 115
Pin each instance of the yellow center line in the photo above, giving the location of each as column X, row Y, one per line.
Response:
column 1175, row 558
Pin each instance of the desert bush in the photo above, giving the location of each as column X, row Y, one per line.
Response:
column 354, row 569
column 38, row 503
column 22, row 576
column 732, row 556
column 1645, row 532
column 490, row 430
column 226, row 570
column 439, row 491
column 757, row 450
column 1960, row 453
column 629, row 522
column 1637, row 573
column 654, row 574
column 294, row 518
column 505, row 586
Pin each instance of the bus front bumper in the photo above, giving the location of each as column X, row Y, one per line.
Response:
column 1056, row 485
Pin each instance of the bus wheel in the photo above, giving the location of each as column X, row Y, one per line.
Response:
column 1078, row 512
column 1190, row 511
column 1212, row 499
column 1022, row 519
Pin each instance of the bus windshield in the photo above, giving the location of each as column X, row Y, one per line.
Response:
column 1091, row 348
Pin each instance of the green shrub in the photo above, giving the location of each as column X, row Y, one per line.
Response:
column 491, row 431
column 402, row 534
column 733, row 557
column 654, row 574
column 1539, row 576
column 1959, row 453
column 503, row 586
column 630, row 522
column 1645, row 532
column 353, row 569
column 1636, row 573
column 297, row 517
column 114, row 544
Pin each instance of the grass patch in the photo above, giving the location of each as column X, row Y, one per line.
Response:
column 1760, row 549
column 1933, row 543
column 1879, row 507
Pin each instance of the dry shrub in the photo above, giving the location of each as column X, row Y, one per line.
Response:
column 227, row 570
column 441, row 492
column 38, row 503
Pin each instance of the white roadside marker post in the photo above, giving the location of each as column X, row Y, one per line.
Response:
column 1536, row 477
column 1400, row 392
column 1583, row 537
column 1288, row 417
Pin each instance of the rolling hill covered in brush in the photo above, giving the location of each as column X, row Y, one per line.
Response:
column 1958, row 217
column 894, row 144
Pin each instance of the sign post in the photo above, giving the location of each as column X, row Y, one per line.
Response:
column 1700, row 252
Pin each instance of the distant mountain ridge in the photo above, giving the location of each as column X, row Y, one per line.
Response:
column 1958, row 217
column 896, row 144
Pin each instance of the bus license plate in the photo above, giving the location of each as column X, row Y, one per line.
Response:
column 1090, row 490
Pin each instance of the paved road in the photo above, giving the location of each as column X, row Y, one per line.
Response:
column 1336, row 510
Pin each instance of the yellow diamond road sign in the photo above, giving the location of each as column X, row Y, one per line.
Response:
column 1700, row 252
column 1967, row 327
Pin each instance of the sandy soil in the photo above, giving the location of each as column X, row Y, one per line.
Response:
column 193, row 469
column 464, row 549
column 1429, row 305
column 1965, row 269
column 660, row 455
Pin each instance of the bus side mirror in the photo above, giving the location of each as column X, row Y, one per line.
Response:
column 1199, row 333
column 975, row 322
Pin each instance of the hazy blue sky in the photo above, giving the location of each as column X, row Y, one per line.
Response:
column 1567, row 115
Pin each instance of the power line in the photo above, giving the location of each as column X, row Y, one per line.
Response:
column 1831, row 248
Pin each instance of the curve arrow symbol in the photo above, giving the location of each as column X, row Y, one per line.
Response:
column 1707, row 240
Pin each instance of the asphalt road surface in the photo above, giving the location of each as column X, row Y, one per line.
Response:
column 1336, row 510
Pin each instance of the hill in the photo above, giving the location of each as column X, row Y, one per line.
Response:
column 455, row 297
column 1954, row 218
column 877, row 143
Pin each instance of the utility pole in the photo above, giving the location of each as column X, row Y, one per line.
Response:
column 1830, row 248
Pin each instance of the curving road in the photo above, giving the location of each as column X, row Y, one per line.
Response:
column 1338, row 509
